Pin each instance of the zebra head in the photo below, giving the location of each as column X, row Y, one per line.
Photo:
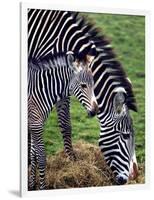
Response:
column 117, row 137
column 82, row 84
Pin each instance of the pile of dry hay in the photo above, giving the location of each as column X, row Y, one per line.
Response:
column 90, row 169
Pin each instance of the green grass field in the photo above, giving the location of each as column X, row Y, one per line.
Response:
column 128, row 40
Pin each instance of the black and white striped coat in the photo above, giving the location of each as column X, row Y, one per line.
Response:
column 66, row 31
column 50, row 81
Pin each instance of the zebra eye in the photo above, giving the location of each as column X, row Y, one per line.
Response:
column 83, row 85
column 126, row 136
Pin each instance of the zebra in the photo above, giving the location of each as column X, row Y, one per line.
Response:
column 50, row 81
column 61, row 31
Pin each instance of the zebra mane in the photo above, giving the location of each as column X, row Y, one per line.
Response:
column 49, row 61
column 103, row 48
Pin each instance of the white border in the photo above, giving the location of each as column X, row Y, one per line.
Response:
column 23, row 101
column 23, row 129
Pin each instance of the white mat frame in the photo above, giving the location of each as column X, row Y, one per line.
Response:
column 23, row 100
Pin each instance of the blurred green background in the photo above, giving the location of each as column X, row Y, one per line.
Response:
column 127, row 34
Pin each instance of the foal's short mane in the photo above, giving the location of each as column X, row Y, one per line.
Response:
column 54, row 61
column 102, row 44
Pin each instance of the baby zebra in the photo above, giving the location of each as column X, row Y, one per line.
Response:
column 50, row 81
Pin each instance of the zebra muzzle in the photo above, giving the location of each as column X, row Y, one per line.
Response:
column 94, row 110
column 121, row 179
column 91, row 113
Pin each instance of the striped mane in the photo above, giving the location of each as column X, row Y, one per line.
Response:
column 108, row 57
column 56, row 60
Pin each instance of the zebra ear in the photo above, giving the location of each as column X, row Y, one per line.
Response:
column 71, row 61
column 70, row 57
column 91, row 54
column 89, row 59
column 74, row 64
column 119, row 100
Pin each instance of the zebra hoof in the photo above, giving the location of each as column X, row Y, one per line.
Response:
column 43, row 187
column 31, row 183
column 72, row 157
column 31, row 187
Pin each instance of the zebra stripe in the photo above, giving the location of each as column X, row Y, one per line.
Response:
column 52, row 32
column 49, row 82
column 82, row 38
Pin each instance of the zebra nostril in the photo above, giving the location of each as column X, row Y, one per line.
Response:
column 91, row 113
column 121, row 180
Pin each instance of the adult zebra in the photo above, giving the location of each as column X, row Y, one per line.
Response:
column 56, row 31
column 49, row 81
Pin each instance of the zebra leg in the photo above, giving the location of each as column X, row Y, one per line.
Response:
column 29, row 148
column 37, row 149
column 32, row 178
column 41, row 160
column 37, row 157
column 63, row 113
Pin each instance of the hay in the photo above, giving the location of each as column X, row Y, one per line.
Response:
column 88, row 170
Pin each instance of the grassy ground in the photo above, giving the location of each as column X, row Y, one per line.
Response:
column 127, row 34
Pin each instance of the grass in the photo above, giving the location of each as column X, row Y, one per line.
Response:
column 127, row 34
